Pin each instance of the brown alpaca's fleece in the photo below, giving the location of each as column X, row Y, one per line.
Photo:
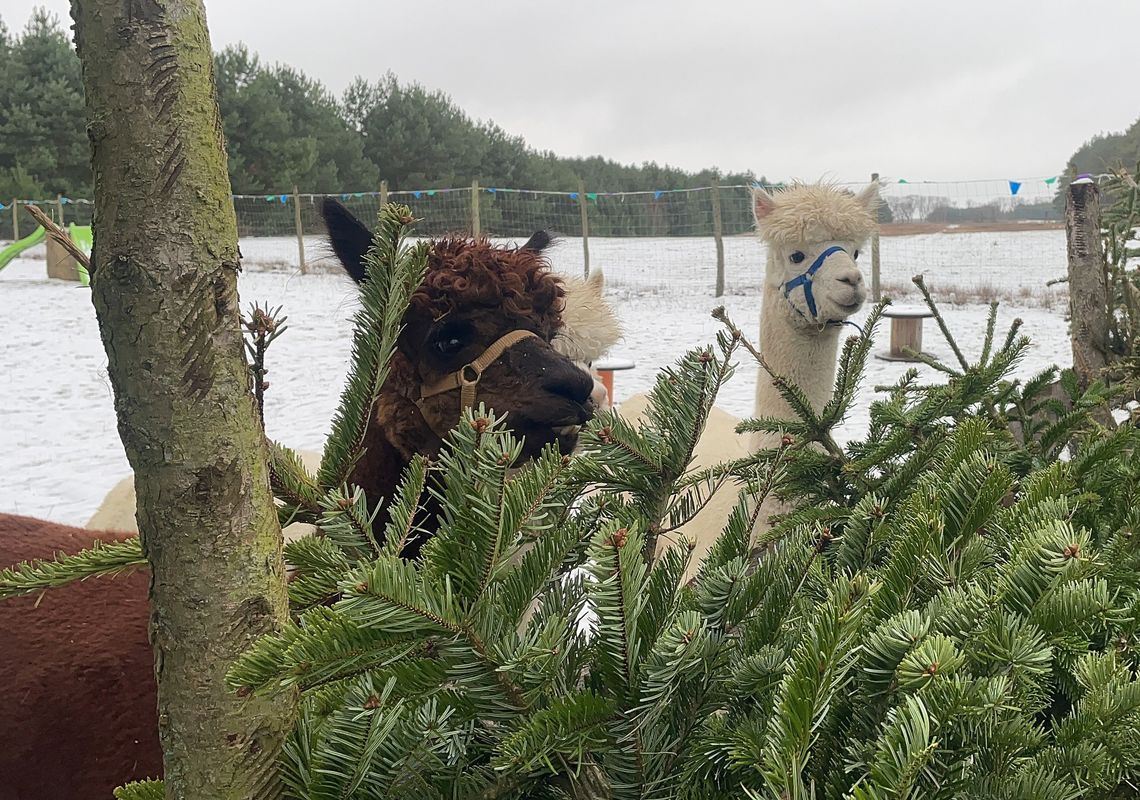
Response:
column 85, row 720
column 517, row 290
column 466, row 273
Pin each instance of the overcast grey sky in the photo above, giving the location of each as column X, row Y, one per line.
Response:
column 797, row 89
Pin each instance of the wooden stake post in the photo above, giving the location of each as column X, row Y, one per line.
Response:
column 1088, row 283
column 584, row 209
column 297, row 225
column 718, row 236
column 875, row 290
column 475, row 228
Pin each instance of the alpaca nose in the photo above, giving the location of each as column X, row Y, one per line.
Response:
column 853, row 278
column 570, row 382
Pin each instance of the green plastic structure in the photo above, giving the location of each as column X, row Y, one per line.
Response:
column 81, row 235
column 19, row 246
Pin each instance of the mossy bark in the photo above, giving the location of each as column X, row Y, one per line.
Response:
column 1088, row 282
column 164, row 285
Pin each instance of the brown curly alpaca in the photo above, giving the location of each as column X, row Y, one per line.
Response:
column 78, row 711
column 472, row 294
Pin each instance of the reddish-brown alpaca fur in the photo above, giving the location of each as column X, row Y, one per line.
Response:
column 78, row 706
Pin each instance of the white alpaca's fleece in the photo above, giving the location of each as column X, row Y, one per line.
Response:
column 589, row 326
column 802, row 213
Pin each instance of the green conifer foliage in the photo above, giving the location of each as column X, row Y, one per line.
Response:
column 952, row 610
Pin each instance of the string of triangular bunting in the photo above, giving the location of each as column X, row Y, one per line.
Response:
column 1014, row 186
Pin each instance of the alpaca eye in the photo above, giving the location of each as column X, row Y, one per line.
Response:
column 797, row 257
column 855, row 255
column 448, row 346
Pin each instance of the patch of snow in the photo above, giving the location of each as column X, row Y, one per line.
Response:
column 59, row 446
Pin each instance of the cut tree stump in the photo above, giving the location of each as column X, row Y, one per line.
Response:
column 906, row 332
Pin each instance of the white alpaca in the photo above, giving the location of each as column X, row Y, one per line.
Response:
column 589, row 326
column 589, row 329
column 811, row 286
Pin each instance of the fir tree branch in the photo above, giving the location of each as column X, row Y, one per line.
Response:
column 263, row 325
column 394, row 273
column 920, row 282
column 141, row 790
column 102, row 559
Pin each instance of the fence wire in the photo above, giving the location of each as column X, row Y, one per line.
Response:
column 973, row 240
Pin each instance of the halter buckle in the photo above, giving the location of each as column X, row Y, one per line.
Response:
column 469, row 375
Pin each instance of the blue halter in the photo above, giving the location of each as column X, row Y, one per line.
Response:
column 805, row 280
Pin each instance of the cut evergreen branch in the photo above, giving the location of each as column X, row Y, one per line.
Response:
column 949, row 611
column 262, row 327
column 102, row 559
column 394, row 272
column 141, row 790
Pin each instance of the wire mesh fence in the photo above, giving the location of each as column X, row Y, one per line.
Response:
column 973, row 240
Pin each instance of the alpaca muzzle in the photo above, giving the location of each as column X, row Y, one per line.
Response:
column 806, row 279
column 466, row 378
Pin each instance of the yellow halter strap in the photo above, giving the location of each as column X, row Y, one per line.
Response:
column 466, row 378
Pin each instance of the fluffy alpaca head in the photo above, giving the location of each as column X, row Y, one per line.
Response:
column 589, row 326
column 799, row 224
column 472, row 294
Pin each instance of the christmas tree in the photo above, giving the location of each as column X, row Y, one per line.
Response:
column 950, row 612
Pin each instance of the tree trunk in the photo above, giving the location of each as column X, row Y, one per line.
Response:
column 1088, row 283
column 164, row 285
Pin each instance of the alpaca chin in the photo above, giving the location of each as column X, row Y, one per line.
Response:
column 567, row 439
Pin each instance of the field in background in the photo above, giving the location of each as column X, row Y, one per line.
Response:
column 973, row 267
column 59, row 446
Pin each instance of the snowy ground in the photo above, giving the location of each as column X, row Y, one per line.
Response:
column 59, row 447
column 966, row 267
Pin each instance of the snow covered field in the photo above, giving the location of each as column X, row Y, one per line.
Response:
column 60, row 450
column 977, row 266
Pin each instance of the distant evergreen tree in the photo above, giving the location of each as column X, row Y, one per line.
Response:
column 43, row 141
column 1105, row 152
column 284, row 129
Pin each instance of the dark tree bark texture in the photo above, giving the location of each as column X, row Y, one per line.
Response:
column 164, row 285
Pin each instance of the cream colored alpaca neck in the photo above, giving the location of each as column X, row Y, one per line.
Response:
column 806, row 357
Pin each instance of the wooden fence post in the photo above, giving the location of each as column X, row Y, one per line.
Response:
column 584, row 209
column 59, row 205
column 475, row 229
column 718, row 236
column 1088, row 283
column 876, row 291
column 15, row 219
column 297, row 224
column 383, row 193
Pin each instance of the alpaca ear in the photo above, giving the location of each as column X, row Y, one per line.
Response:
column 539, row 241
column 349, row 237
column 763, row 204
column 869, row 198
column 596, row 282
